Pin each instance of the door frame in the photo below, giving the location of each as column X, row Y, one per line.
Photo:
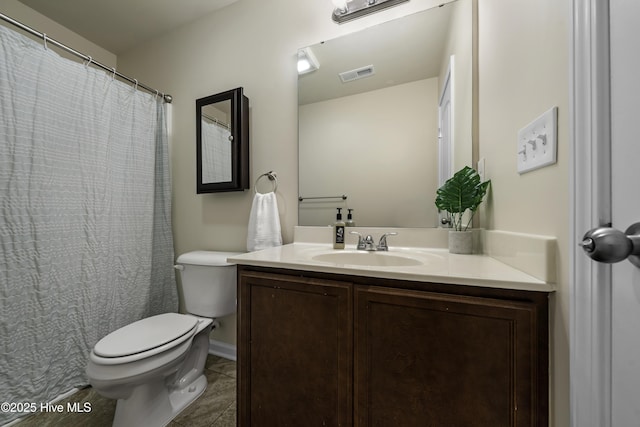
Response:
column 448, row 88
column 590, row 192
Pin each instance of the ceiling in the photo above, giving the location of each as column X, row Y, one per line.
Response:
column 402, row 51
column 119, row 25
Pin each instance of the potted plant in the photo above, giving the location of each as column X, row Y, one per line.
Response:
column 461, row 193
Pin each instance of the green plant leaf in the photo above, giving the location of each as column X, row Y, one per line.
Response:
column 460, row 193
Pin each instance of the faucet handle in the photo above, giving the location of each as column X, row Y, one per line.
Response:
column 382, row 244
column 360, row 240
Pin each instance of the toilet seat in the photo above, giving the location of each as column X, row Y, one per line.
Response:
column 144, row 338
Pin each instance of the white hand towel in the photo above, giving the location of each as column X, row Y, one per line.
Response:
column 264, row 223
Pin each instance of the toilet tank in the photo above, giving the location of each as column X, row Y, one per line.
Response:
column 208, row 283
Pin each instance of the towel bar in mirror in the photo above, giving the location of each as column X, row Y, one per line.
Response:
column 222, row 142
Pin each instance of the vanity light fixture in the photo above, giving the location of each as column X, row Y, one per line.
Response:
column 346, row 10
column 307, row 61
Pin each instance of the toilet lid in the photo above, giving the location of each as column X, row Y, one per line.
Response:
column 145, row 335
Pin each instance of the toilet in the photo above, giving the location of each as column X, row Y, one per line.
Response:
column 154, row 367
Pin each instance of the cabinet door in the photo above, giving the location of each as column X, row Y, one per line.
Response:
column 427, row 359
column 295, row 352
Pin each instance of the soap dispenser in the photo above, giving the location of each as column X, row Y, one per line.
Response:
column 338, row 231
column 350, row 222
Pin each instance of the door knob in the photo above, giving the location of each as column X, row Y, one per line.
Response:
column 609, row 245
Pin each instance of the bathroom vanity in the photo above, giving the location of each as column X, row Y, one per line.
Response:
column 453, row 340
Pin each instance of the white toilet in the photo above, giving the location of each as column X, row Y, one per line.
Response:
column 154, row 366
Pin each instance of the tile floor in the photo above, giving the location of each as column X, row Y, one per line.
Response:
column 215, row 408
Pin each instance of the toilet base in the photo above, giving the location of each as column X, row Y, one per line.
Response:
column 152, row 405
column 155, row 390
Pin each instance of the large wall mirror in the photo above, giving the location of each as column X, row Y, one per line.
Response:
column 380, row 139
column 222, row 138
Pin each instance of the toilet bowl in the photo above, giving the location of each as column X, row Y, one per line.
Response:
column 154, row 366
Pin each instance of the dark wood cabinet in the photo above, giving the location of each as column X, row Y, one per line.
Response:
column 335, row 350
column 429, row 359
column 296, row 364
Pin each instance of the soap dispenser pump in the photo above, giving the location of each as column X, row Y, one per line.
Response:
column 338, row 231
column 350, row 222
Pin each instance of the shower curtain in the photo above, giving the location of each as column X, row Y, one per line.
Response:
column 85, row 233
column 216, row 152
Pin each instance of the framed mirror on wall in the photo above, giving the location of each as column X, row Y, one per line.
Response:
column 371, row 112
column 222, row 142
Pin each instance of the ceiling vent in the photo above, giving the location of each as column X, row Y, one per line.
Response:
column 358, row 73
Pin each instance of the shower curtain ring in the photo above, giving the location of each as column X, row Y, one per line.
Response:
column 113, row 76
column 136, row 86
column 44, row 37
column 89, row 61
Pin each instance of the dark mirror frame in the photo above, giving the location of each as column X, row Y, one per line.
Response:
column 239, row 144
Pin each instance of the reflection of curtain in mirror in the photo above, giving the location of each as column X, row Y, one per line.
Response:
column 216, row 153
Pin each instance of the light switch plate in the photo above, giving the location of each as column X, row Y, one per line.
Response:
column 537, row 142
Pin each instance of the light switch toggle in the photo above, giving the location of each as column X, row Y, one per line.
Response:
column 524, row 153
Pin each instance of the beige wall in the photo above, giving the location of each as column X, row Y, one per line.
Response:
column 21, row 13
column 253, row 44
column 367, row 138
column 523, row 71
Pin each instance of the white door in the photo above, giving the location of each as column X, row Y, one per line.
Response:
column 445, row 131
column 445, row 138
column 606, row 377
column 625, row 156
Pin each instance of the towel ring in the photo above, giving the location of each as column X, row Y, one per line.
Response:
column 272, row 177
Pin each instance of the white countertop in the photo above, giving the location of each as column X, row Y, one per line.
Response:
column 439, row 266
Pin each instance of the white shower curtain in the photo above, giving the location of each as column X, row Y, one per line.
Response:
column 85, row 233
column 216, row 153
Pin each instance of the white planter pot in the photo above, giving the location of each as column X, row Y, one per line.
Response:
column 460, row 242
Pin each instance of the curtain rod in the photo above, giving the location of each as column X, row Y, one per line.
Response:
column 216, row 121
column 167, row 98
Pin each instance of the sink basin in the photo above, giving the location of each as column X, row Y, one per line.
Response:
column 378, row 259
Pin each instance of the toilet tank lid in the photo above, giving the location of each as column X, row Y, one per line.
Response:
column 208, row 258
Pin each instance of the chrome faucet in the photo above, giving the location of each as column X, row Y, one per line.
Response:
column 366, row 243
